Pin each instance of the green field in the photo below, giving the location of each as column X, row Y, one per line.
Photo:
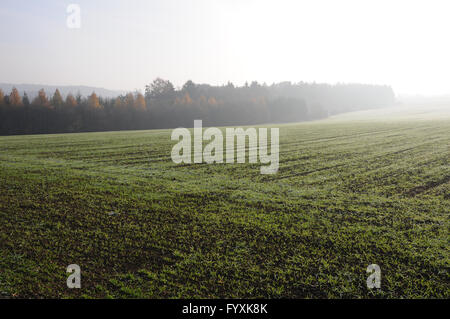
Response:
column 348, row 193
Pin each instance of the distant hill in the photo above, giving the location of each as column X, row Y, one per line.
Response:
column 33, row 89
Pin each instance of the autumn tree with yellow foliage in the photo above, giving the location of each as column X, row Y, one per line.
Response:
column 41, row 99
column 93, row 101
column 71, row 101
column 15, row 99
column 2, row 97
column 139, row 103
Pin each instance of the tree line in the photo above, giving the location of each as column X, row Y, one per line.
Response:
column 164, row 106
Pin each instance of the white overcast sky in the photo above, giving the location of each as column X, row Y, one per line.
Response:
column 126, row 44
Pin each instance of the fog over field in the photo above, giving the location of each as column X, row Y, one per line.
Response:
column 407, row 109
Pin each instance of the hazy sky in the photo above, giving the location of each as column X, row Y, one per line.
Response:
column 126, row 44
